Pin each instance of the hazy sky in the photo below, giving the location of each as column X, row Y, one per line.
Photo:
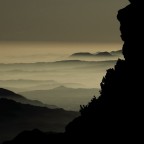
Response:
column 60, row 20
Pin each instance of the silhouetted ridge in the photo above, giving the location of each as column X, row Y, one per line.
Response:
column 103, row 54
column 16, row 117
column 7, row 94
column 98, row 54
column 82, row 54
column 132, row 28
column 118, row 110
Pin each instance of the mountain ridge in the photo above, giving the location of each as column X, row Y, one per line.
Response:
column 64, row 97
column 17, row 117
column 7, row 94
column 98, row 54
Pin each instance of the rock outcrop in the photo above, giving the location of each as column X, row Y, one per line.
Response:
column 131, row 20
column 118, row 112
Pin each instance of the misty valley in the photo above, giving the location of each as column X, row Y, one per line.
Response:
column 48, row 95
column 67, row 72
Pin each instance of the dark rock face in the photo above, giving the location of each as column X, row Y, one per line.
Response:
column 132, row 29
column 136, row 1
column 117, row 113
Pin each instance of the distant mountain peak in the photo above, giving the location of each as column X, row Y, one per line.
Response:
column 82, row 54
column 99, row 54
column 103, row 54
column 118, row 52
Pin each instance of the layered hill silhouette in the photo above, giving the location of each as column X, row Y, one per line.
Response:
column 7, row 94
column 21, row 85
column 16, row 117
column 63, row 97
column 117, row 115
column 98, row 54
column 119, row 52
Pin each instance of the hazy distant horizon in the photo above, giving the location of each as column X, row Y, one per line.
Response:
column 87, row 73
column 31, row 52
column 37, row 34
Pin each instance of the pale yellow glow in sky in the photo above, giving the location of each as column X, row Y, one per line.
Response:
column 17, row 52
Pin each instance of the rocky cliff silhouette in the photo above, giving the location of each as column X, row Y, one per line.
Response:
column 117, row 115
column 132, row 30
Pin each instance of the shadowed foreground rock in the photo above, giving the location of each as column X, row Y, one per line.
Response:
column 117, row 115
column 118, row 112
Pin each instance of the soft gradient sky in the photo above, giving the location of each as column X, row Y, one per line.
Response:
column 60, row 20
column 51, row 30
column 47, row 30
